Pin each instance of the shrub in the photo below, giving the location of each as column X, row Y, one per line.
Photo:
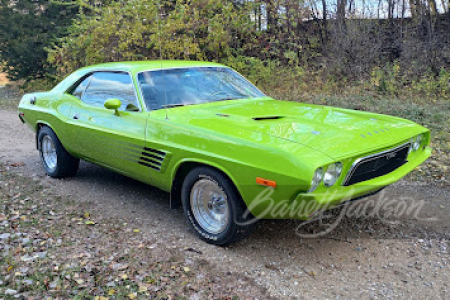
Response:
column 132, row 30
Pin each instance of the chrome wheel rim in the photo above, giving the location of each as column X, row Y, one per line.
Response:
column 210, row 206
column 49, row 153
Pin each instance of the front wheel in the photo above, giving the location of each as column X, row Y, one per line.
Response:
column 214, row 208
column 58, row 163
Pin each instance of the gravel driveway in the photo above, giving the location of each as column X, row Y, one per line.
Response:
column 362, row 258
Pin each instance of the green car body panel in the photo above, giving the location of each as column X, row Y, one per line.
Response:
column 281, row 141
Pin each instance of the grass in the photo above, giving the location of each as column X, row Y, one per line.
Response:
column 9, row 98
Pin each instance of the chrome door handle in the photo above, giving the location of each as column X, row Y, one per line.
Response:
column 76, row 116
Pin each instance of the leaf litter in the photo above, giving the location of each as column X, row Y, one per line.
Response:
column 53, row 248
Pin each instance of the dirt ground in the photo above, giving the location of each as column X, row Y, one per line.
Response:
column 362, row 258
column 3, row 79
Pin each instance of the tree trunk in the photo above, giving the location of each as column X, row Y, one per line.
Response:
column 270, row 12
column 325, row 22
column 413, row 8
column 340, row 14
column 433, row 8
column 391, row 9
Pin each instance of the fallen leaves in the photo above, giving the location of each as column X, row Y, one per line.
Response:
column 192, row 250
column 51, row 246
column 17, row 164
column 118, row 266
column 143, row 289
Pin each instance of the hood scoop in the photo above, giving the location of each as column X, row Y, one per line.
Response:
column 267, row 118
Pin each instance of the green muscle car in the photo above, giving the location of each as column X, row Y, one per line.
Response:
column 227, row 153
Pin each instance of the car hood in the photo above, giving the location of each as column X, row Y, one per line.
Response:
column 335, row 132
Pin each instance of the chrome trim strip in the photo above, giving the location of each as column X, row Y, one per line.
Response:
column 87, row 85
column 139, row 88
column 370, row 157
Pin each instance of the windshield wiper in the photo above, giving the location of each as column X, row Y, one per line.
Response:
column 175, row 105
column 224, row 99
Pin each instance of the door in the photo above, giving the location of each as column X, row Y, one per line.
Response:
column 101, row 136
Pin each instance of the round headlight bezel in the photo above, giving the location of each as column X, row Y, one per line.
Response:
column 332, row 174
column 316, row 180
column 417, row 142
column 411, row 143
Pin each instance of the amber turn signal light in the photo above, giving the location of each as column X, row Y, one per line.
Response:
column 266, row 182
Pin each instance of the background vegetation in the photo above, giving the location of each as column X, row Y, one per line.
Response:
column 383, row 56
column 399, row 48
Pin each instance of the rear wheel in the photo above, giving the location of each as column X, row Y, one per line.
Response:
column 214, row 208
column 58, row 163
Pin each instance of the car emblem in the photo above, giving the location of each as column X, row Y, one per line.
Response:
column 391, row 155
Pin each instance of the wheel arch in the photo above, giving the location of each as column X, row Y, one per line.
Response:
column 39, row 125
column 180, row 172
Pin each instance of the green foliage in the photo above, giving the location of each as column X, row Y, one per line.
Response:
column 27, row 27
column 390, row 80
column 137, row 29
column 434, row 86
column 43, row 84
column 259, row 72
column 386, row 79
column 283, row 53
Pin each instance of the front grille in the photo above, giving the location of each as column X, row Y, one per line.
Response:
column 377, row 165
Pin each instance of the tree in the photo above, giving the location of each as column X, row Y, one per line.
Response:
column 137, row 29
column 27, row 27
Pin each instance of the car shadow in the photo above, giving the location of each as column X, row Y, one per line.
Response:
column 340, row 225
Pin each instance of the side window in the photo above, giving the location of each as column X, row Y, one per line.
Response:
column 109, row 85
column 79, row 90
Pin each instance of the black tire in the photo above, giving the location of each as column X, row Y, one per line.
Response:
column 240, row 222
column 66, row 165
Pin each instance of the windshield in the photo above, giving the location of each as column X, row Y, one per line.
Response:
column 185, row 86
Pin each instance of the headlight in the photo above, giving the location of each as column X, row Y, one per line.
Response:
column 417, row 142
column 411, row 143
column 317, row 178
column 332, row 174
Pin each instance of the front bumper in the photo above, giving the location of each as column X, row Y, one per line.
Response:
column 306, row 204
column 313, row 202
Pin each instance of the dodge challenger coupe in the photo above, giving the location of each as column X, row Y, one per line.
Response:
column 227, row 153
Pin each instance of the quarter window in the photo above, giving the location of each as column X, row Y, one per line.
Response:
column 109, row 85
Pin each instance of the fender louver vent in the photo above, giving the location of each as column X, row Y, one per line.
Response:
column 267, row 118
column 152, row 158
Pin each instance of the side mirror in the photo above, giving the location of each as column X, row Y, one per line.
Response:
column 113, row 104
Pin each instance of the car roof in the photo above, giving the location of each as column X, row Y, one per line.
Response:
column 132, row 67
column 138, row 66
